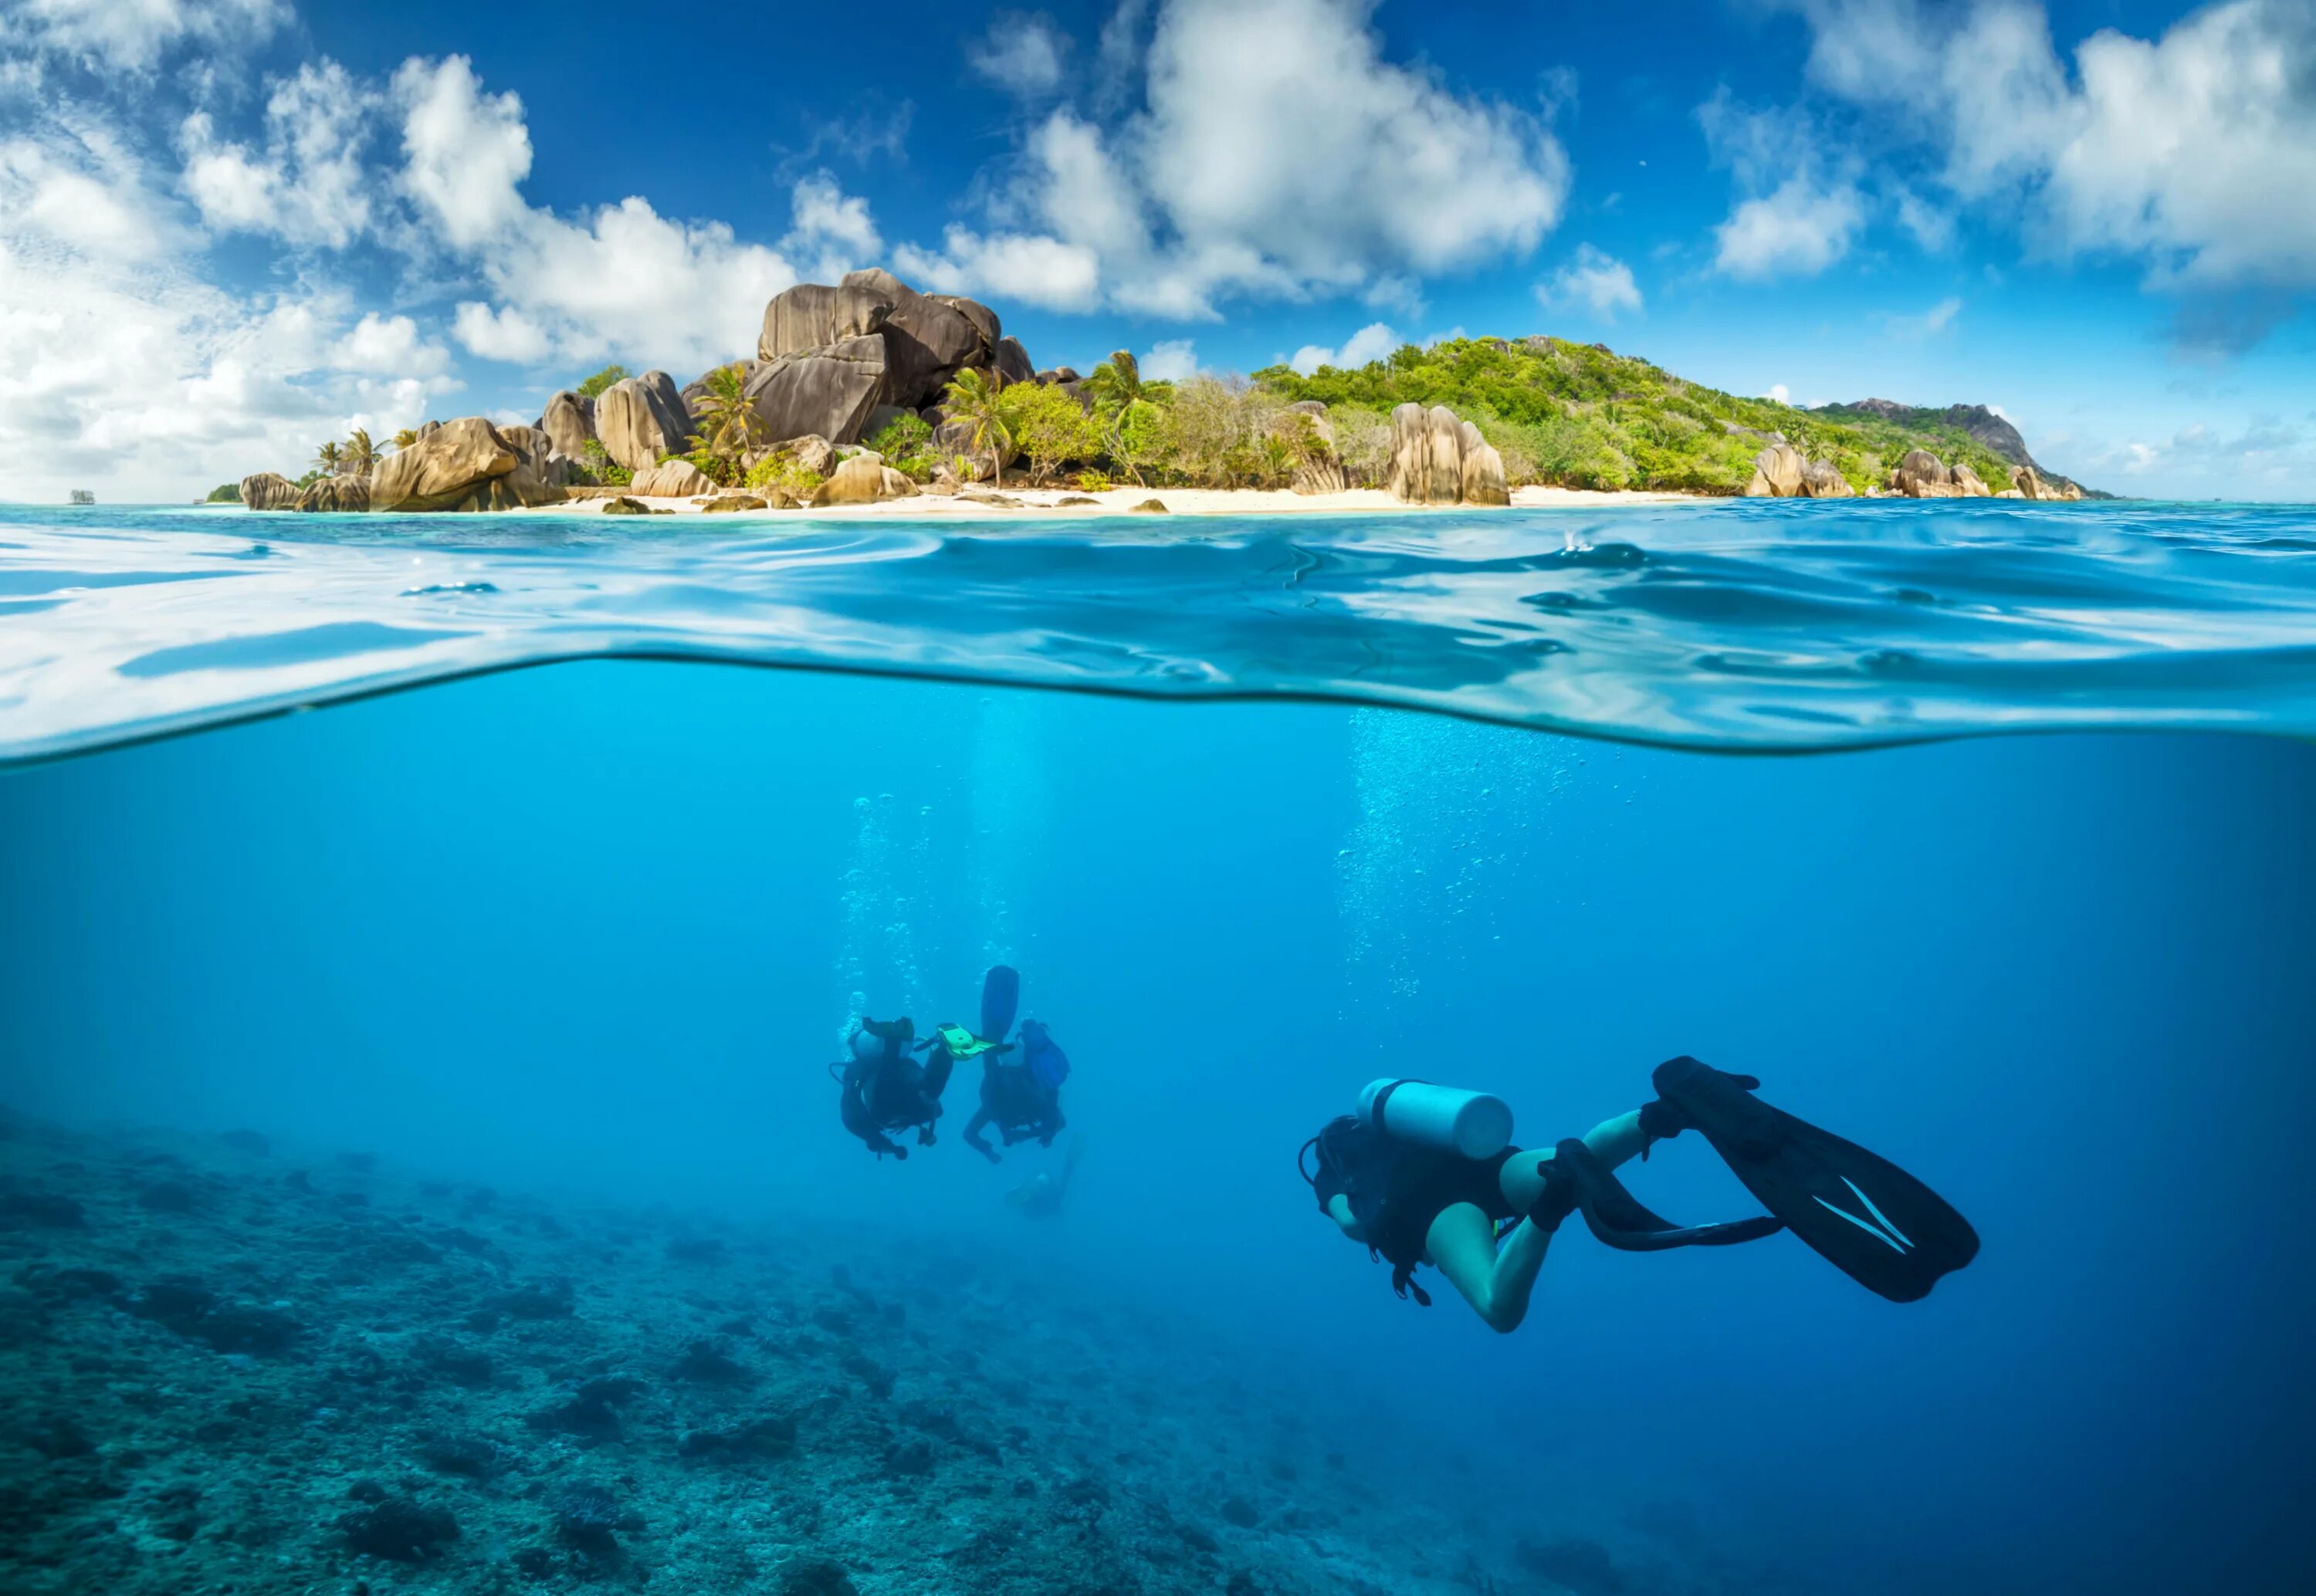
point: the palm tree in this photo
(729, 422)
(973, 399)
(329, 458)
(1116, 382)
(406, 438)
(360, 456)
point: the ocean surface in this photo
(399, 1098)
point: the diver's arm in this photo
(1339, 1209)
(852, 1107)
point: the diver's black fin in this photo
(1862, 1213)
(1000, 999)
(1618, 1219)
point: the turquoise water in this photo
(590, 935)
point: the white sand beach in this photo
(982, 504)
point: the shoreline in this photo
(1121, 502)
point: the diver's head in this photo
(1033, 1035)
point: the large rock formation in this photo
(1921, 474)
(813, 315)
(268, 490)
(828, 390)
(1437, 460)
(1013, 363)
(672, 479)
(467, 464)
(640, 418)
(2029, 483)
(1777, 472)
(335, 495)
(863, 479)
(928, 338)
(697, 390)
(1318, 468)
(1822, 479)
(569, 422)
(1968, 484)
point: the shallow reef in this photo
(230, 1367)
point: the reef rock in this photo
(1428, 462)
(269, 490)
(641, 417)
(827, 390)
(569, 423)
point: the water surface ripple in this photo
(1755, 627)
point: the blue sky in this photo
(231, 228)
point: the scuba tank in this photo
(1471, 1124)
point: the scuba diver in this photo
(1428, 1175)
(1022, 1098)
(1041, 1198)
(886, 1090)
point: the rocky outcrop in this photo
(2029, 483)
(641, 417)
(828, 390)
(696, 389)
(1777, 472)
(864, 478)
(815, 315)
(672, 479)
(1307, 429)
(1013, 363)
(928, 338)
(465, 464)
(569, 423)
(269, 490)
(1438, 459)
(1822, 479)
(1921, 474)
(335, 495)
(1968, 484)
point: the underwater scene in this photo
(459, 1133)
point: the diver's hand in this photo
(901, 1153)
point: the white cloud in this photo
(1594, 280)
(621, 280)
(1803, 206)
(1028, 267)
(134, 35)
(2194, 152)
(1929, 324)
(1780, 392)
(1020, 53)
(1278, 154)
(307, 184)
(834, 232)
(1798, 230)
(1370, 342)
(1174, 360)
(389, 346)
(1931, 224)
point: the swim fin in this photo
(1001, 998)
(1862, 1213)
(1576, 1180)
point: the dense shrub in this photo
(906, 442)
(781, 469)
(1048, 425)
(592, 388)
(224, 494)
(607, 472)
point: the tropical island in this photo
(866, 392)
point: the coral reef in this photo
(230, 1364)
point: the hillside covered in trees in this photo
(1580, 415)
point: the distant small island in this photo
(867, 391)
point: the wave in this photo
(1747, 626)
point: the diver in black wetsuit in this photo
(1020, 1094)
(886, 1089)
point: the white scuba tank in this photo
(1475, 1124)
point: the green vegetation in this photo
(975, 401)
(224, 494)
(406, 438)
(729, 428)
(606, 470)
(781, 469)
(906, 442)
(592, 388)
(1047, 425)
(1579, 415)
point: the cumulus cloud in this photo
(1172, 360)
(134, 35)
(1593, 280)
(1277, 154)
(2194, 152)
(1023, 54)
(1801, 206)
(620, 280)
(306, 184)
(1370, 342)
